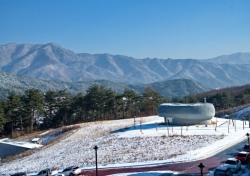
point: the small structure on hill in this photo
(37, 141)
(186, 114)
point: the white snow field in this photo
(120, 144)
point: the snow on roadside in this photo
(121, 144)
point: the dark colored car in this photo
(244, 157)
(72, 170)
(223, 171)
(246, 148)
(19, 174)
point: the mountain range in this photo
(51, 62)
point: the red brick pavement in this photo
(182, 168)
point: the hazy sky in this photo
(139, 28)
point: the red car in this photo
(244, 157)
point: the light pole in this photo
(216, 125)
(248, 120)
(243, 125)
(235, 125)
(134, 121)
(124, 104)
(247, 138)
(150, 104)
(201, 166)
(96, 160)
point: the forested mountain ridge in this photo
(12, 83)
(173, 88)
(168, 89)
(53, 62)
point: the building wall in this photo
(186, 114)
(8, 149)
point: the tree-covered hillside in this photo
(11, 83)
(228, 99)
(168, 89)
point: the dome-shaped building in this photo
(186, 114)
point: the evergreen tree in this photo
(78, 108)
(33, 103)
(13, 113)
(99, 101)
(93, 100)
(130, 103)
(2, 120)
(63, 103)
(51, 107)
(151, 100)
(108, 109)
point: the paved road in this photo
(188, 168)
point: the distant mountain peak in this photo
(235, 58)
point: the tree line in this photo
(35, 110)
(222, 99)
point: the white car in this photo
(48, 172)
(59, 174)
(233, 163)
(72, 170)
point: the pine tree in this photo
(33, 103)
(2, 120)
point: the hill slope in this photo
(120, 143)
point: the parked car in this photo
(246, 148)
(59, 174)
(19, 174)
(244, 157)
(234, 164)
(72, 170)
(223, 171)
(48, 172)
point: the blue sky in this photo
(139, 28)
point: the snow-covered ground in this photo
(121, 144)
